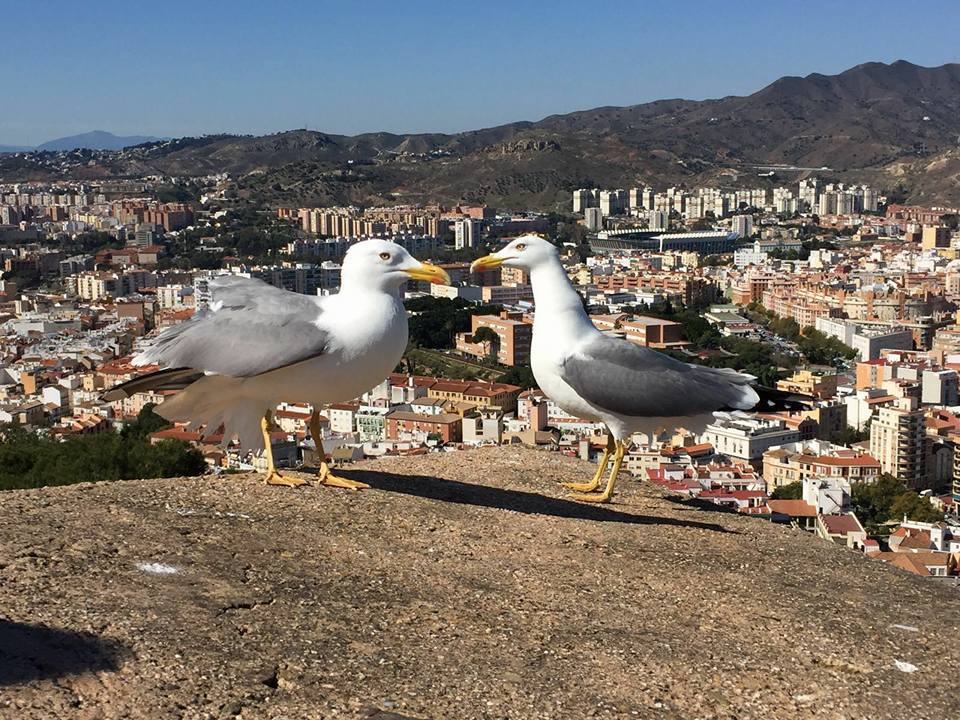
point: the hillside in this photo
(460, 586)
(871, 122)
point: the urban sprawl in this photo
(828, 291)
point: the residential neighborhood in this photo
(824, 290)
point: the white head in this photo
(526, 252)
(384, 265)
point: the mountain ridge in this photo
(869, 123)
(93, 140)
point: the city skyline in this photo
(416, 69)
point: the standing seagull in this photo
(600, 378)
(256, 346)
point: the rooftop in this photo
(456, 587)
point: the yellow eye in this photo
(521, 246)
(384, 256)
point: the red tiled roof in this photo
(841, 524)
(792, 508)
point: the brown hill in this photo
(462, 585)
(868, 122)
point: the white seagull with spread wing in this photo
(256, 346)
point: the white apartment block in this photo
(740, 436)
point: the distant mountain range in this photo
(96, 140)
(896, 126)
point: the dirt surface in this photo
(461, 586)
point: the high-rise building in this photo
(658, 220)
(897, 441)
(827, 204)
(809, 194)
(696, 207)
(613, 202)
(466, 233)
(742, 225)
(593, 218)
(583, 199)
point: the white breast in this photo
(551, 344)
(367, 338)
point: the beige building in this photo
(98, 285)
(801, 461)
(813, 384)
(897, 441)
(515, 336)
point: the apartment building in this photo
(746, 438)
(506, 294)
(797, 462)
(481, 394)
(515, 336)
(810, 383)
(642, 330)
(405, 425)
(897, 441)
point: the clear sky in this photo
(254, 66)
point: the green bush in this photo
(28, 460)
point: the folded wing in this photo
(249, 328)
(634, 381)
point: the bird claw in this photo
(331, 480)
(582, 487)
(275, 478)
(592, 497)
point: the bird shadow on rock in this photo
(454, 491)
(36, 652)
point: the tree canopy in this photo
(30, 460)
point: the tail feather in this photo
(215, 400)
(169, 379)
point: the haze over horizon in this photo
(420, 69)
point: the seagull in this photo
(255, 346)
(600, 378)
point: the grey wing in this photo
(249, 328)
(630, 380)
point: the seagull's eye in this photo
(520, 246)
(384, 256)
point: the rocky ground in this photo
(461, 586)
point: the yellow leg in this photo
(598, 475)
(607, 494)
(273, 477)
(325, 475)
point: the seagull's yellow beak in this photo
(487, 262)
(429, 273)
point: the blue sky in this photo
(187, 68)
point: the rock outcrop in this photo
(461, 586)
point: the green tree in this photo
(850, 435)
(490, 341)
(434, 322)
(790, 491)
(889, 500)
(28, 460)
(519, 375)
(147, 422)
